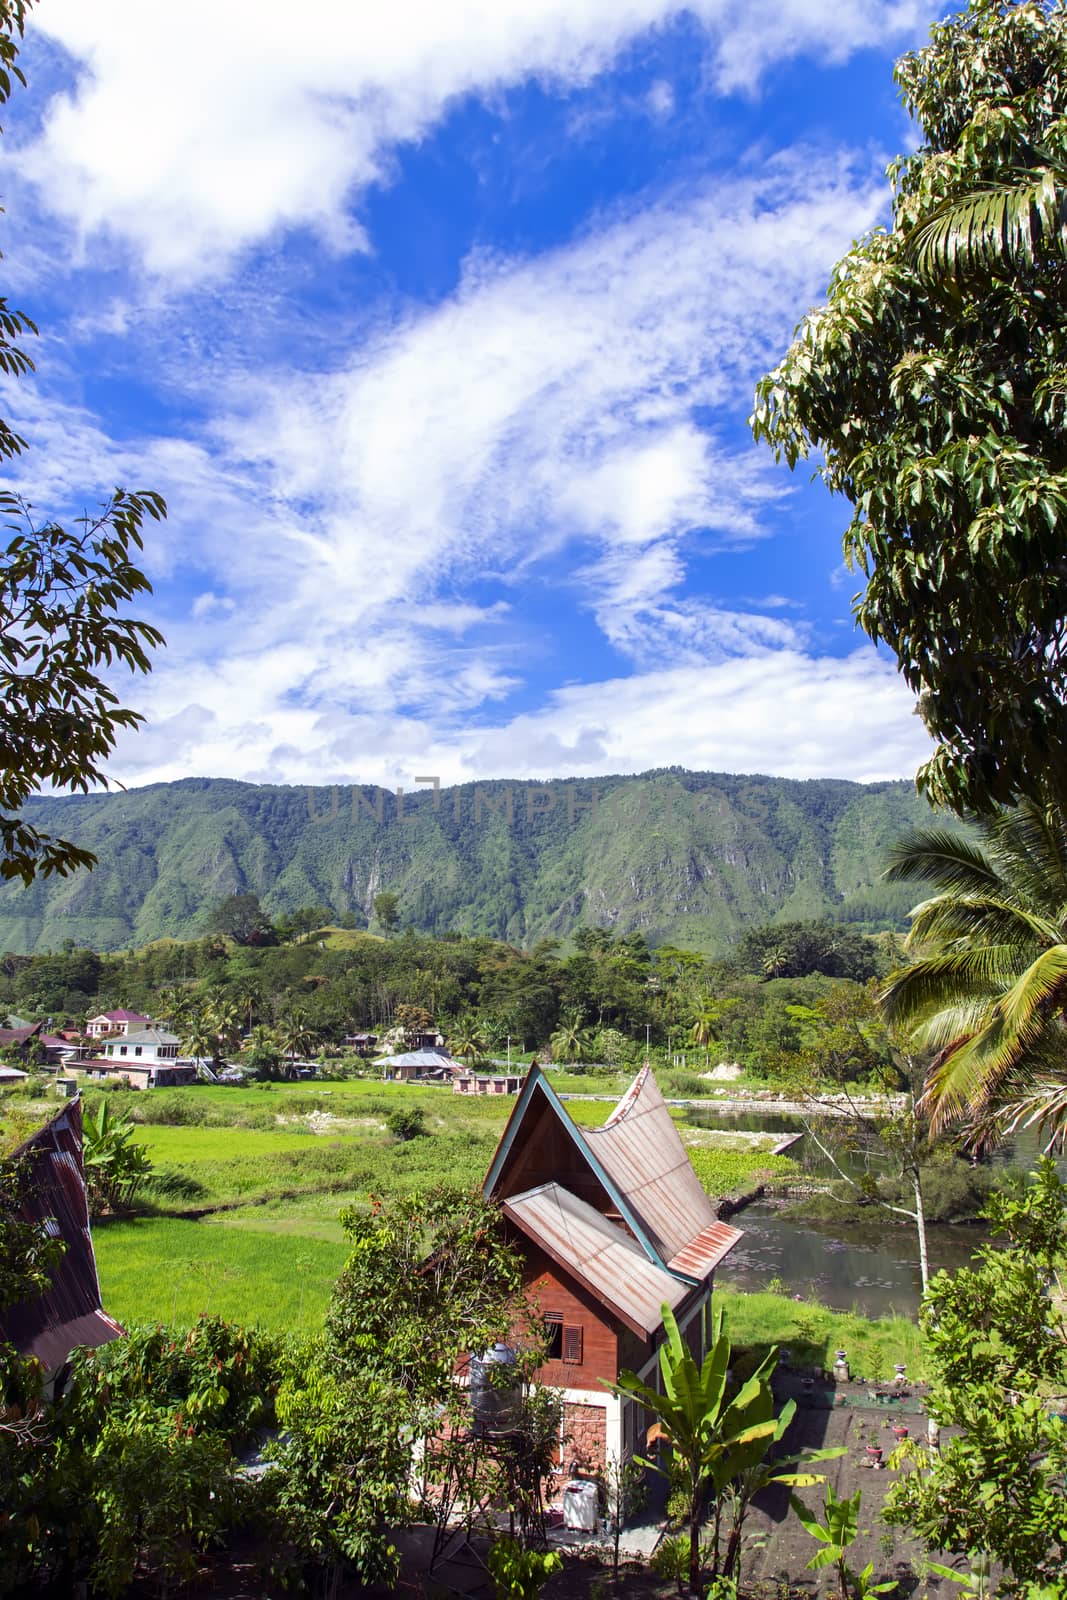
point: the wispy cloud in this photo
(192, 133)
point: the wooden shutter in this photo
(572, 1345)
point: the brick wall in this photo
(585, 1431)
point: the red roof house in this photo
(115, 1022)
(612, 1224)
(69, 1313)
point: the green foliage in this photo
(996, 1341)
(987, 984)
(427, 1274)
(345, 1460)
(520, 1574)
(116, 1168)
(407, 1123)
(243, 919)
(934, 393)
(704, 1424)
(63, 622)
(797, 949)
(835, 1535)
(27, 1253)
(387, 910)
(136, 1466)
(424, 1271)
(167, 850)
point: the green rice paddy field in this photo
(247, 1225)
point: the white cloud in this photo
(783, 713)
(193, 132)
(537, 427)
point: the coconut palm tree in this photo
(198, 1039)
(468, 1043)
(295, 1037)
(987, 988)
(572, 1040)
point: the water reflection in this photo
(868, 1262)
(870, 1267)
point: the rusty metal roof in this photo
(69, 1312)
(599, 1253)
(703, 1254)
(641, 1149)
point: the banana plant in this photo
(698, 1419)
(835, 1535)
(746, 1469)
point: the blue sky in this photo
(438, 325)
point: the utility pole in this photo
(509, 1050)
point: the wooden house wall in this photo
(552, 1290)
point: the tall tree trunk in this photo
(920, 1227)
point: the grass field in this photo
(272, 1167)
(164, 1270)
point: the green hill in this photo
(689, 857)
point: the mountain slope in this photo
(686, 856)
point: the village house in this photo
(111, 1023)
(147, 1058)
(422, 1063)
(69, 1312)
(486, 1083)
(612, 1223)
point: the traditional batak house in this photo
(69, 1312)
(612, 1223)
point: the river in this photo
(869, 1265)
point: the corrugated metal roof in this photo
(642, 1151)
(417, 1058)
(69, 1312)
(703, 1254)
(598, 1253)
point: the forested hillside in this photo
(689, 857)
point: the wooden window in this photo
(563, 1340)
(572, 1344)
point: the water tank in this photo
(496, 1392)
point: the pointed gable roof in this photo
(633, 1170)
(642, 1150)
(68, 1312)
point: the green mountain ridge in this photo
(687, 857)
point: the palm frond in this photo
(953, 863)
(948, 979)
(949, 917)
(1035, 995)
(1005, 225)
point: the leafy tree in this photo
(243, 919)
(63, 593)
(406, 1122)
(932, 384)
(987, 986)
(996, 1343)
(795, 949)
(387, 910)
(429, 1276)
